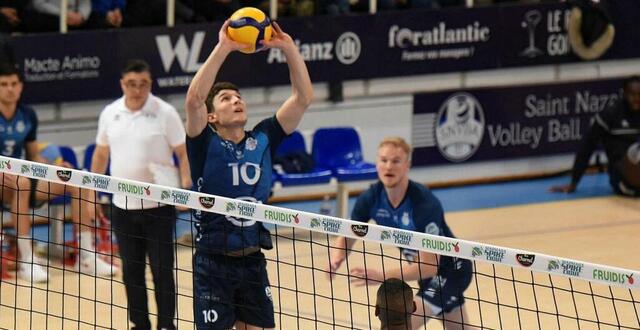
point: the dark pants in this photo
(620, 184)
(141, 233)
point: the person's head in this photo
(632, 92)
(394, 161)
(135, 81)
(10, 84)
(394, 304)
(225, 106)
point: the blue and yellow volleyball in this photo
(249, 26)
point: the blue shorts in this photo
(229, 289)
(445, 292)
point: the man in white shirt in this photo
(136, 131)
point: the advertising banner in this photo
(85, 65)
(58, 68)
(506, 123)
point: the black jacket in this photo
(616, 128)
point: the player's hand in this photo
(74, 19)
(361, 276)
(334, 265)
(279, 39)
(225, 42)
(567, 188)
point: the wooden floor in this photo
(601, 230)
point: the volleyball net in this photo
(510, 288)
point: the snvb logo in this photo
(186, 54)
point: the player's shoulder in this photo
(114, 106)
(421, 194)
(614, 111)
(26, 110)
(372, 192)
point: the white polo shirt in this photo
(137, 139)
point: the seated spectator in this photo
(154, 12)
(217, 10)
(107, 13)
(10, 20)
(46, 15)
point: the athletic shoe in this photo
(32, 272)
(90, 265)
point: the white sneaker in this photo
(32, 272)
(90, 265)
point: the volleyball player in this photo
(18, 128)
(395, 201)
(617, 129)
(394, 305)
(229, 269)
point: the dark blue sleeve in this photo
(197, 148)
(428, 209)
(272, 128)
(32, 135)
(361, 211)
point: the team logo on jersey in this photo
(525, 260)
(405, 218)
(267, 292)
(360, 230)
(432, 229)
(64, 175)
(207, 202)
(459, 127)
(251, 144)
(20, 127)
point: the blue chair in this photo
(339, 150)
(69, 156)
(295, 143)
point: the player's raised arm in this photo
(203, 80)
(290, 113)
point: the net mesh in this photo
(510, 289)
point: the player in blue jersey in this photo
(229, 269)
(18, 126)
(395, 201)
